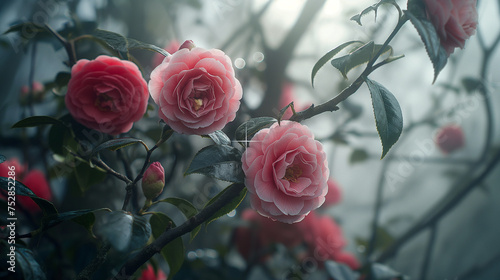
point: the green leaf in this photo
(173, 252)
(36, 121)
(84, 217)
(2, 158)
(28, 264)
(23, 27)
(87, 176)
(60, 82)
(221, 162)
(374, 8)
(122, 44)
(233, 204)
(382, 272)
(186, 208)
(116, 144)
(329, 55)
(59, 137)
(123, 231)
(220, 138)
(358, 155)
(248, 129)
(431, 40)
(46, 206)
(339, 271)
(135, 44)
(388, 115)
(359, 56)
(472, 84)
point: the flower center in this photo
(197, 97)
(104, 102)
(292, 173)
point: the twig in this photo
(147, 252)
(428, 252)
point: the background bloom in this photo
(455, 21)
(286, 172)
(34, 179)
(321, 236)
(149, 274)
(107, 94)
(196, 90)
(450, 138)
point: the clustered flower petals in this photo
(107, 94)
(286, 172)
(322, 237)
(455, 21)
(196, 90)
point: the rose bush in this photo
(455, 21)
(107, 94)
(286, 172)
(450, 138)
(196, 90)
(34, 179)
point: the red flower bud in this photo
(153, 180)
(188, 44)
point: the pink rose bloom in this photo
(450, 138)
(455, 21)
(35, 180)
(334, 195)
(149, 274)
(196, 90)
(107, 94)
(253, 240)
(286, 172)
(325, 240)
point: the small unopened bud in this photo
(153, 181)
(188, 44)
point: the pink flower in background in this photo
(149, 274)
(455, 21)
(321, 236)
(34, 179)
(287, 96)
(153, 180)
(171, 47)
(334, 194)
(196, 90)
(36, 87)
(450, 138)
(107, 94)
(286, 172)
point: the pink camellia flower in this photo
(450, 138)
(149, 274)
(36, 87)
(107, 94)
(153, 180)
(455, 21)
(34, 179)
(196, 90)
(286, 172)
(321, 236)
(334, 195)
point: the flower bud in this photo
(188, 44)
(153, 181)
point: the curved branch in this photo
(147, 252)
